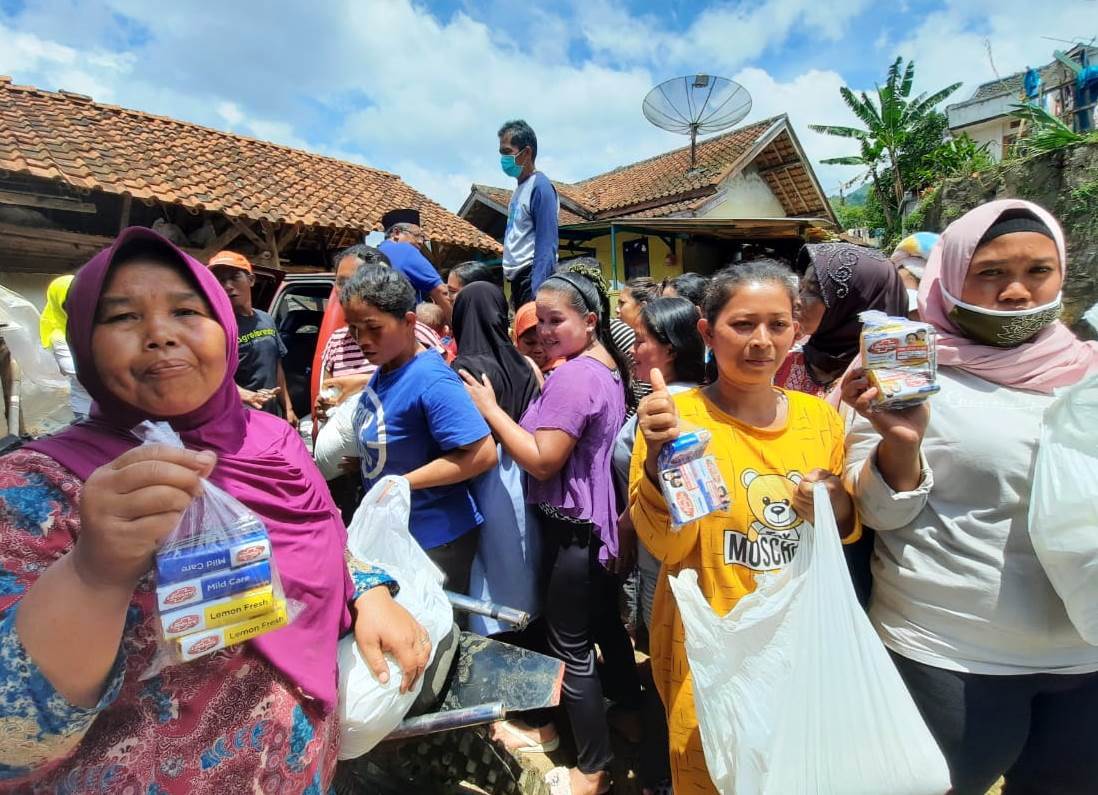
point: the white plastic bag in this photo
(795, 692)
(42, 391)
(369, 710)
(1063, 509)
(217, 582)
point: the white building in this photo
(985, 117)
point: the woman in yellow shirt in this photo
(771, 446)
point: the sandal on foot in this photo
(531, 746)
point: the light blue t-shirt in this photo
(409, 417)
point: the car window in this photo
(307, 297)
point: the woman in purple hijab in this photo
(81, 515)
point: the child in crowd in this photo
(434, 318)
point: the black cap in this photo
(404, 216)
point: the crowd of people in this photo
(529, 435)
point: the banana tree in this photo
(894, 124)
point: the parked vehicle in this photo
(298, 302)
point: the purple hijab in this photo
(852, 279)
(261, 461)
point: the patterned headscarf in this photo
(852, 279)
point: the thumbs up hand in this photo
(658, 419)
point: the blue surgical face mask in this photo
(510, 167)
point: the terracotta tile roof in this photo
(69, 138)
(670, 175)
(502, 198)
(666, 184)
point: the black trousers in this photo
(580, 609)
(1040, 731)
(456, 560)
(520, 288)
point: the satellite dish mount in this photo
(696, 104)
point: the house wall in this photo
(745, 195)
(31, 286)
(988, 110)
(992, 133)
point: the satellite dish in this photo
(696, 104)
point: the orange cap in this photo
(525, 318)
(230, 259)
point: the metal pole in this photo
(449, 720)
(517, 618)
(613, 256)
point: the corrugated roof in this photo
(72, 139)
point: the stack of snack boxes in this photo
(900, 359)
(216, 594)
(690, 480)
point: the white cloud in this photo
(396, 86)
(230, 112)
(952, 44)
(31, 58)
(723, 36)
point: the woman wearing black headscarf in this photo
(509, 553)
(840, 281)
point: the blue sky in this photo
(420, 88)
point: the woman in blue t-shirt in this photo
(415, 419)
(564, 443)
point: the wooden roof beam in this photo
(45, 201)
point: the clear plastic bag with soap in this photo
(217, 581)
(690, 479)
(900, 359)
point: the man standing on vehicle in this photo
(530, 242)
(404, 245)
(259, 376)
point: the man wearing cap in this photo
(404, 244)
(259, 376)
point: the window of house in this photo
(635, 255)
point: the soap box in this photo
(218, 613)
(197, 560)
(686, 447)
(196, 645)
(693, 490)
(213, 586)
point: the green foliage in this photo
(899, 133)
(1045, 132)
(851, 216)
(1083, 200)
(956, 157)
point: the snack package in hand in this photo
(690, 480)
(217, 581)
(900, 359)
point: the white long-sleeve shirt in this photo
(79, 399)
(956, 583)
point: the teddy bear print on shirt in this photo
(772, 538)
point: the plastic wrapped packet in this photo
(900, 359)
(691, 480)
(217, 581)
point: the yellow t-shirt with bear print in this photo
(760, 531)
